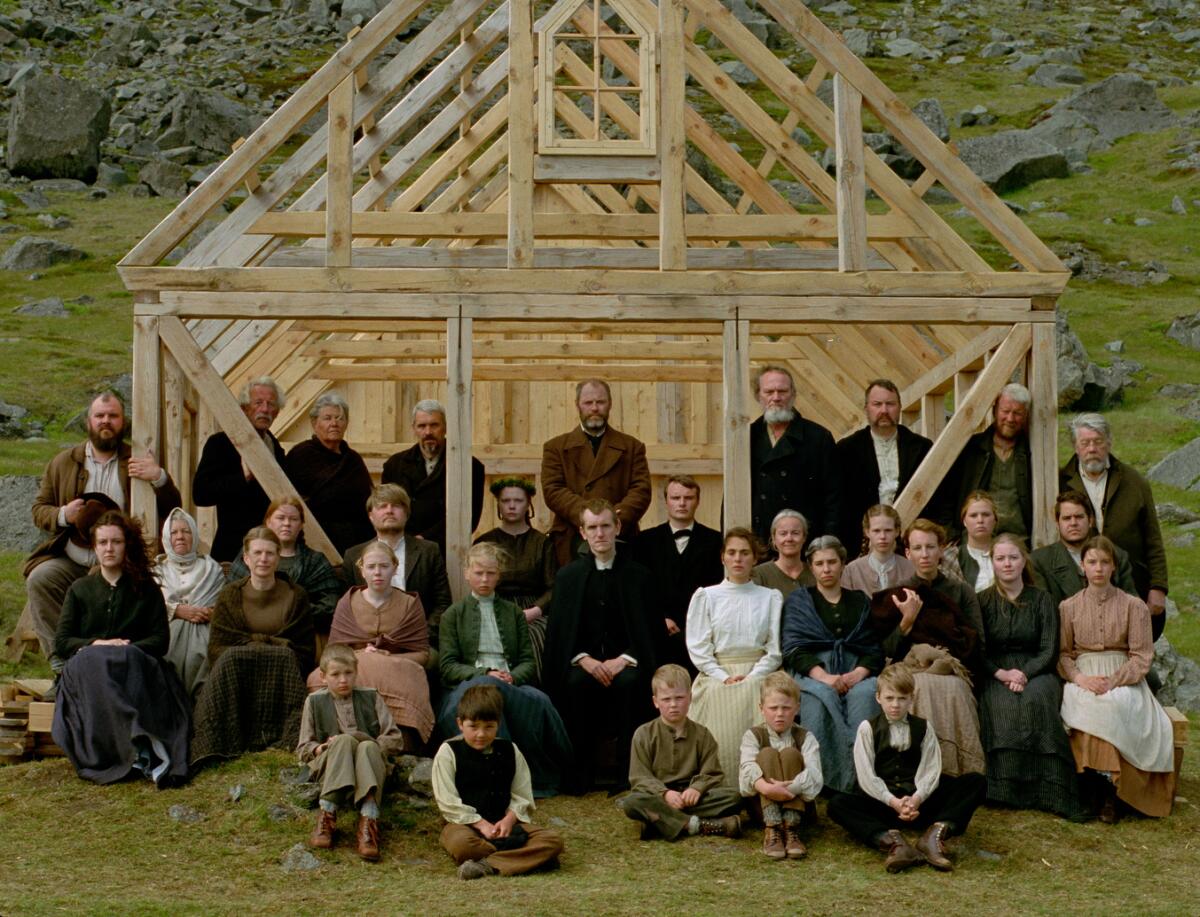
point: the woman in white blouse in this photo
(973, 555)
(733, 641)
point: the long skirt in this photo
(727, 711)
(189, 654)
(947, 703)
(530, 721)
(1029, 761)
(252, 700)
(401, 682)
(1124, 733)
(537, 632)
(121, 710)
(833, 718)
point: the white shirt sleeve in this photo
(520, 800)
(864, 765)
(808, 783)
(772, 659)
(699, 633)
(929, 771)
(748, 769)
(445, 791)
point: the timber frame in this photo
(422, 241)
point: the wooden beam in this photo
(459, 418)
(963, 423)
(937, 376)
(211, 390)
(338, 175)
(851, 185)
(1043, 433)
(735, 367)
(672, 234)
(521, 134)
(146, 439)
(518, 372)
(619, 170)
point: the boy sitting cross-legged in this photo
(675, 779)
(781, 765)
(345, 735)
(483, 789)
(900, 783)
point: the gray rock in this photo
(1143, 221)
(207, 120)
(1012, 159)
(739, 73)
(362, 10)
(1121, 105)
(556, 822)
(1179, 469)
(1178, 206)
(1180, 678)
(1053, 75)
(1180, 390)
(33, 253)
(1186, 330)
(906, 47)
(1115, 346)
(1168, 514)
(930, 111)
(1082, 385)
(858, 41)
(972, 116)
(278, 813)
(166, 179)
(50, 221)
(185, 815)
(290, 776)
(305, 795)
(17, 493)
(420, 780)
(995, 49)
(34, 199)
(236, 792)
(55, 127)
(298, 859)
(67, 185)
(111, 176)
(50, 307)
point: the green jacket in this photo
(459, 641)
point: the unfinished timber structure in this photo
(522, 194)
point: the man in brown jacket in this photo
(102, 464)
(590, 463)
(1124, 509)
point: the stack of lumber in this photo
(25, 720)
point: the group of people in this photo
(1030, 669)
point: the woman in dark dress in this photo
(1029, 761)
(330, 476)
(260, 647)
(120, 708)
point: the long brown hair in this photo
(137, 563)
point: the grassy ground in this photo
(1010, 862)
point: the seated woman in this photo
(304, 567)
(933, 626)
(330, 476)
(789, 531)
(1029, 762)
(385, 627)
(733, 639)
(1120, 735)
(833, 652)
(119, 709)
(527, 578)
(484, 641)
(881, 567)
(972, 557)
(190, 585)
(260, 643)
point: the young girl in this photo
(973, 555)
(881, 567)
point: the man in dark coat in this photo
(599, 648)
(421, 471)
(999, 461)
(593, 462)
(793, 461)
(683, 555)
(225, 481)
(1057, 567)
(877, 462)
(1123, 509)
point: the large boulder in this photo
(1179, 676)
(1092, 117)
(17, 531)
(1179, 469)
(1012, 159)
(1186, 330)
(33, 253)
(55, 127)
(206, 120)
(1082, 385)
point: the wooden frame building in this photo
(527, 193)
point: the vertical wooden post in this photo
(933, 415)
(962, 385)
(521, 119)
(339, 178)
(1043, 432)
(736, 397)
(458, 449)
(672, 239)
(851, 181)
(147, 396)
(174, 414)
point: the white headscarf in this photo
(188, 579)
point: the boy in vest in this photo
(483, 789)
(780, 765)
(345, 735)
(900, 783)
(677, 786)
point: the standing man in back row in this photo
(593, 462)
(793, 461)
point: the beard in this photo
(1094, 466)
(779, 415)
(106, 440)
(594, 423)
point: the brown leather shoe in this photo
(729, 826)
(933, 845)
(792, 844)
(322, 836)
(368, 838)
(774, 845)
(900, 854)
